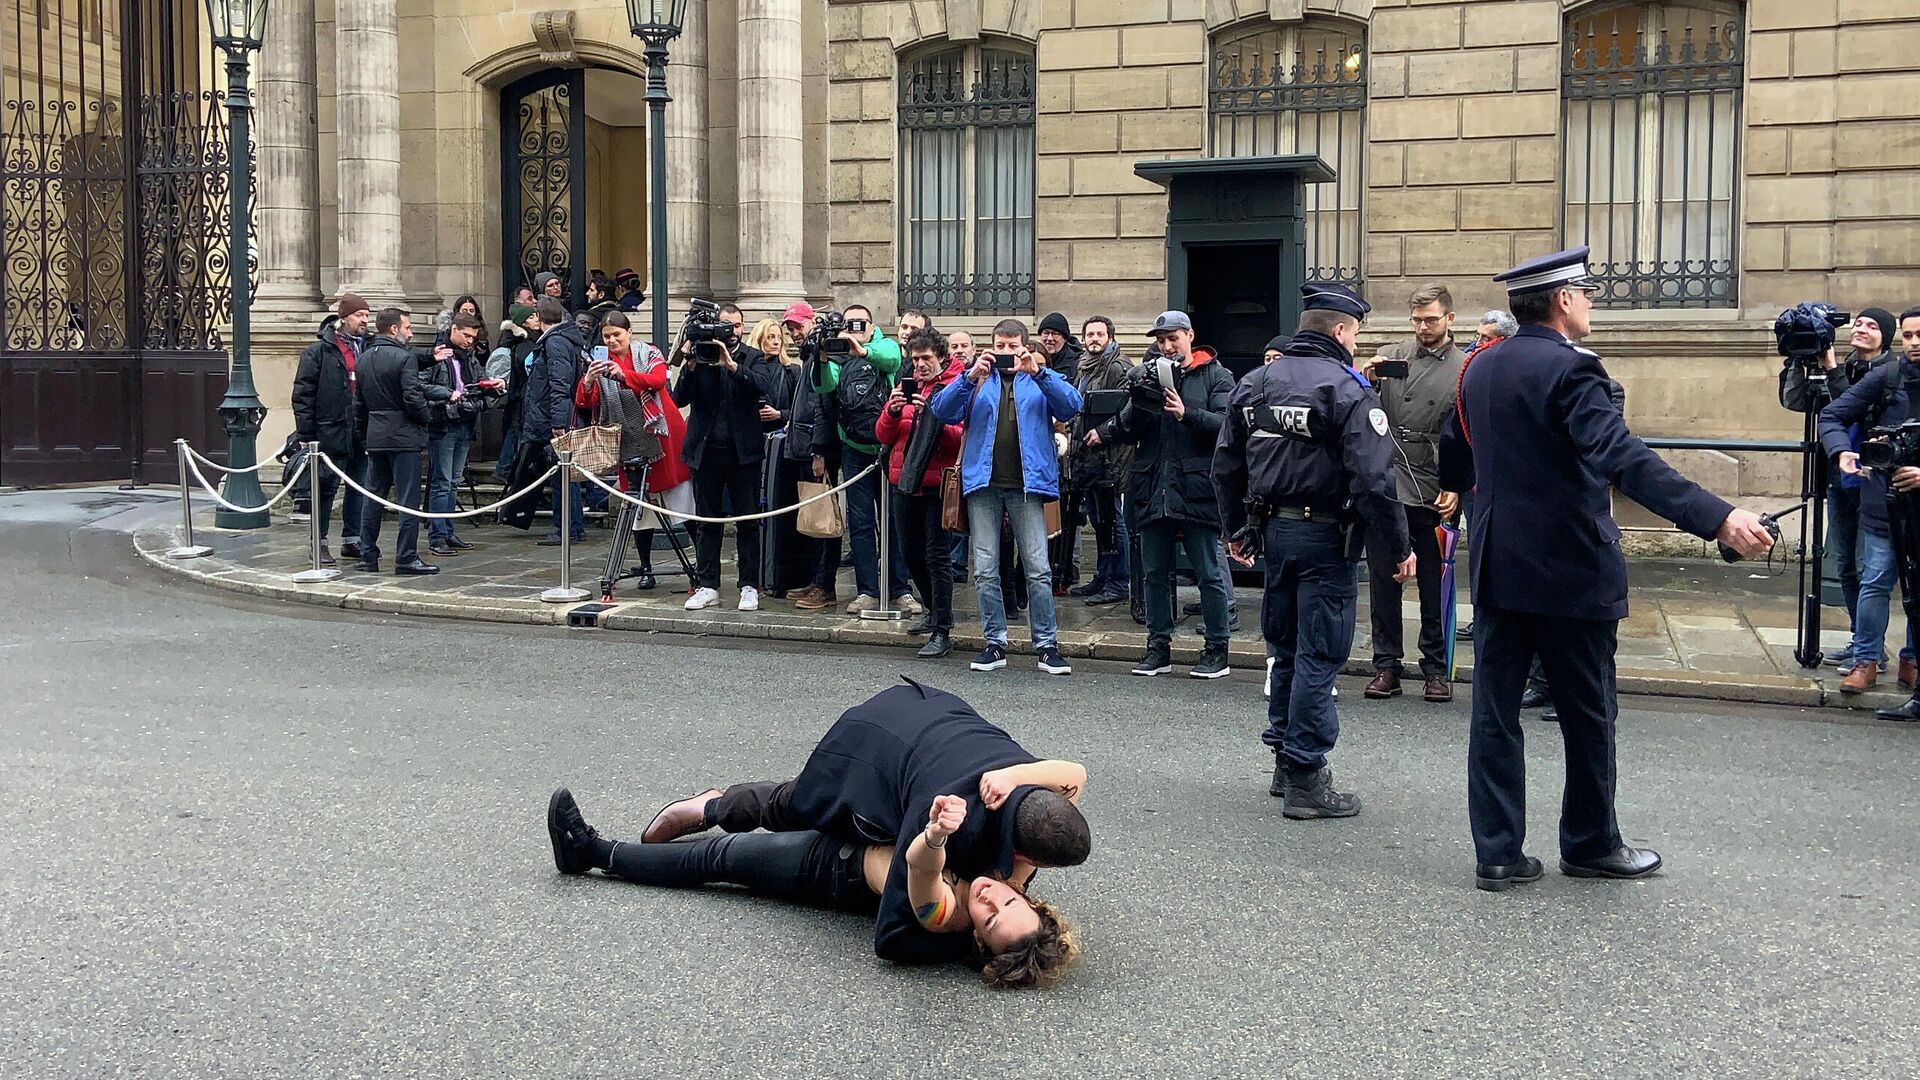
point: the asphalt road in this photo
(253, 842)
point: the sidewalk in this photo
(1697, 629)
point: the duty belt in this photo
(1329, 514)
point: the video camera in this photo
(1892, 447)
(1804, 332)
(708, 337)
(826, 339)
(1148, 384)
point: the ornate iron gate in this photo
(113, 225)
(543, 130)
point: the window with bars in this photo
(1651, 93)
(1300, 89)
(966, 181)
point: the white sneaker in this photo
(703, 598)
(299, 517)
(749, 599)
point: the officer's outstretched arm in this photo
(1601, 435)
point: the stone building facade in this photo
(977, 157)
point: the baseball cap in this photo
(1170, 320)
(798, 312)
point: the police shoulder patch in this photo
(1378, 418)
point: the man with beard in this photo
(1100, 471)
(1062, 355)
(1416, 404)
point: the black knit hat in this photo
(1057, 323)
(1889, 326)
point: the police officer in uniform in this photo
(1537, 440)
(1303, 461)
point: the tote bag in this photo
(823, 520)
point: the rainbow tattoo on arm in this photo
(932, 915)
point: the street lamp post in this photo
(657, 22)
(237, 26)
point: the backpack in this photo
(860, 396)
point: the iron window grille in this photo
(967, 157)
(1651, 97)
(1301, 90)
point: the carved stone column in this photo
(689, 237)
(367, 37)
(771, 145)
(288, 163)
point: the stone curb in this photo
(776, 625)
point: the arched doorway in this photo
(574, 185)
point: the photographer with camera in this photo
(455, 368)
(857, 376)
(1873, 334)
(922, 449)
(810, 453)
(1880, 399)
(1905, 481)
(1099, 473)
(724, 449)
(1178, 403)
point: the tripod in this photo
(1813, 539)
(629, 513)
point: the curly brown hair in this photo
(1037, 960)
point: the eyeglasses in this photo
(1430, 320)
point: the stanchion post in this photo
(187, 549)
(884, 498)
(316, 541)
(563, 517)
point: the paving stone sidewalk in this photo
(1698, 628)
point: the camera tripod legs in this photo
(623, 533)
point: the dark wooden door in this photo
(543, 130)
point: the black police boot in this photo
(1310, 794)
(1278, 789)
(577, 846)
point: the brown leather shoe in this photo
(1860, 679)
(1909, 674)
(1439, 690)
(679, 819)
(1385, 684)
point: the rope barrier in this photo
(453, 515)
(286, 490)
(209, 462)
(762, 516)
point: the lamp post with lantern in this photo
(657, 22)
(237, 26)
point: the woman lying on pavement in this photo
(1014, 940)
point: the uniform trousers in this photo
(1577, 656)
(807, 868)
(1313, 591)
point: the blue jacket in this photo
(1038, 402)
(1878, 400)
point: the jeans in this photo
(1312, 592)
(352, 503)
(917, 517)
(720, 477)
(1384, 598)
(795, 555)
(509, 450)
(863, 525)
(1879, 569)
(1843, 539)
(984, 508)
(447, 457)
(1104, 511)
(808, 868)
(395, 474)
(1203, 553)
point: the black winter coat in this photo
(776, 382)
(1171, 478)
(873, 778)
(392, 412)
(439, 380)
(711, 390)
(546, 405)
(323, 409)
(1098, 466)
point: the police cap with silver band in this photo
(1562, 269)
(1332, 296)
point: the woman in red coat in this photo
(916, 501)
(644, 371)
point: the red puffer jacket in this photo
(895, 432)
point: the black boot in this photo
(577, 846)
(1278, 789)
(937, 646)
(1908, 710)
(924, 626)
(1535, 698)
(1310, 794)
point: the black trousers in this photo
(795, 554)
(762, 805)
(807, 868)
(1383, 597)
(1577, 655)
(929, 551)
(392, 474)
(721, 479)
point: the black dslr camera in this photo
(709, 337)
(1890, 448)
(826, 339)
(1147, 385)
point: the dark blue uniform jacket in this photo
(1878, 399)
(873, 778)
(1541, 444)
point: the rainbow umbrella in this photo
(1448, 538)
